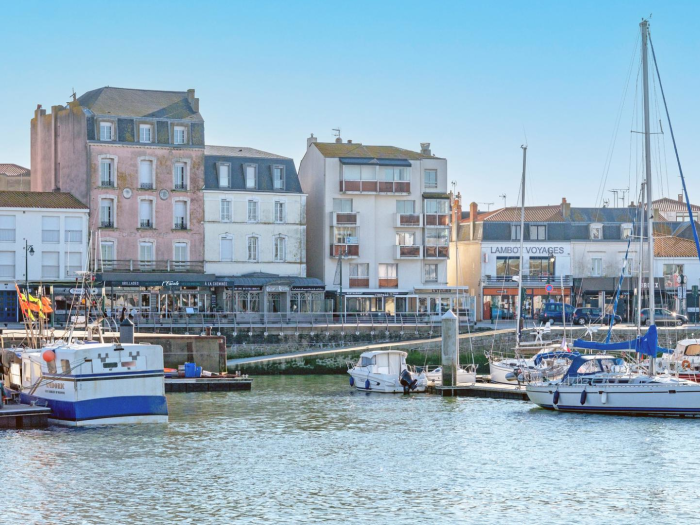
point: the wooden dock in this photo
(207, 384)
(489, 390)
(24, 416)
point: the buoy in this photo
(367, 384)
(583, 397)
(556, 397)
(49, 355)
(352, 381)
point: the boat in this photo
(385, 371)
(465, 375)
(683, 362)
(548, 363)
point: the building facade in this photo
(43, 241)
(380, 215)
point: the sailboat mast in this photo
(640, 294)
(647, 157)
(522, 236)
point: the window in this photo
(596, 266)
(405, 239)
(388, 276)
(7, 228)
(360, 270)
(181, 255)
(106, 131)
(146, 255)
(278, 177)
(542, 266)
(179, 135)
(682, 217)
(7, 265)
(107, 173)
(280, 249)
(342, 205)
(431, 179)
(146, 175)
(225, 210)
(180, 174)
(252, 248)
(596, 232)
(146, 213)
(226, 248)
(74, 263)
(405, 206)
(73, 229)
(250, 177)
(368, 173)
(431, 273)
(437, 206)
(538, 232)
(50, 229)
(49, 265)
(107, 253)
(673, 275)
(346, 235)
(280, 212)
(392, 174)
(515, 232)
(106, 213)
(352, 172)
(180, 214)
(627, 231)
(437, 237)
(224, 179)
(252, 211)
(145, 132)
(507, 266)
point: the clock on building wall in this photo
(164, 194)
(127, 193)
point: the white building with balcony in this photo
(383, 213)
(43, 240)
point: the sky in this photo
(475, 79)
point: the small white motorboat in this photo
(684, 361)
(385, 371)
(465, 375)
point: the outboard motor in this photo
(407, 381)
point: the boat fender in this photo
(584, 394)
(685, 364)
(555, 400)
(604, 397)
(352, 381)
(367, 384)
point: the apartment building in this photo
(383, 213)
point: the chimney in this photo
(349, 141)
(473, 212)
(311, 140)
(338, 140)
(680, 197)
(565, 208)
(194, 102)
(425, 148)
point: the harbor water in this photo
(308, 449)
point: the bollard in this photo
(450, 349)
(126, 332)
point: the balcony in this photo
(347, 250)
(437, 220)
(437, 252)
(344, 218)
(538, 280)
(408, 220)
(408, 252)
(181, 186)
(107, 224)
(146, 224)
(146, 185)
(359, 282)
(134, 265)
(397, 187)
(180, 224)
(107, 183)
(388, 283)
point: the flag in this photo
(23, 304)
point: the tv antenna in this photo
(488, 204)
(619, 191)
(336, 131)
(503, 196)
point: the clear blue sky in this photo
(469, 77)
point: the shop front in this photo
(599, 292)
(502, 302)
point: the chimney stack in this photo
(338, 140)
(194, 102)
(680, 197)
(349, 141)
(311, 140)
(473, 212)
(425, 148)
(565, 208)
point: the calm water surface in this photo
(309, 450)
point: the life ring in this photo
(685, 364)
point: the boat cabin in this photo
(687, 348)
(588, 365)
(389, 362)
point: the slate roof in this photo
(40, 199)
(145, 103)
(532, 214)
(242, 151)
(332, 149)
(13, 170)
(605, 215)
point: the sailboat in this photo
(603, 383)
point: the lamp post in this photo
(28, 250)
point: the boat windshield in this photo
(692, 350)
(594, 366)
(368, 361)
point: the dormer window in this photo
(250, 176)
(538, 232)
(145, 133)
(278, 177)
(179, 135)
(596, 232)
(106, 131)
(627, 230)
(224, 170)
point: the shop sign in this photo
(216, 283)
(244, 288)
(308, 288)
(171, 283)
(529, 250)
(81, 291)
(277, 288)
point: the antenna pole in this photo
(522, 236)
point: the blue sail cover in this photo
(647, 344)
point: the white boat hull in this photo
(500, 369)
(464, 377)
(383, 383)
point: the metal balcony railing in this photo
(374, 186)
(408, 252)
(146, 185)
(436, 252)
(134, 265)
(107, 183)
(344, 218)
(180, 186)
(180, 224)
(409, 220)
(529, 280)
(146, 223)
(437, 219)
(347, 250)
(106, 224)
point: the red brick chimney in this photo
(473, 212)
(565, 208)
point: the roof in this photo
(264, 166)
(666, 204)
(240, 151)
(40, 199)
(262, 279)
(674, 247)
(350, 150)
(139, 103)
(480, 215)
(13, 170)
(532, 214)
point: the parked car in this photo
(553, 312)
(590, 315)
(663, 316)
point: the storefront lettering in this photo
(530, 250)
(171, 283)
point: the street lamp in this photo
(28, 250)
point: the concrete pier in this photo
(488, 390)
(207, 384)
(24, 416)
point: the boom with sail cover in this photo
(647, 344)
